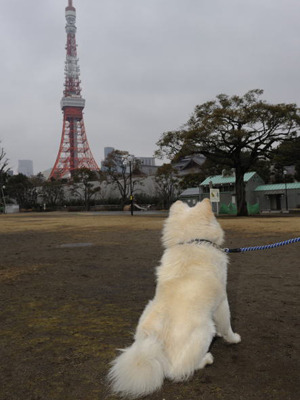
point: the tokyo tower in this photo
(74, 151)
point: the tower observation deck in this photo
(74, 151)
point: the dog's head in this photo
(187, 223)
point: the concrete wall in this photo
(12, 209)
(110, 191)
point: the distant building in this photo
(191, 164)
(150, 161)
(46, 173)
(146, 164)
(107, 151)
(191, 196)
(25, 167)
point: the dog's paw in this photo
(206, 360)
(209, 358)
(234, 338)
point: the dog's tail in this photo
(140, 369)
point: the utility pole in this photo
(130, 159)
(286, 192)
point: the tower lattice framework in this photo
(74, 151)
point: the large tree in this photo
(123, 171)
(167, 184)
(52, 192)
(235, 132)
(83, 186)
(22, 189)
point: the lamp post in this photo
(286, 195)
(130, 159)
(3, 198)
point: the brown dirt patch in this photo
(64, 310)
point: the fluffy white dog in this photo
(190, 306)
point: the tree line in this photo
(86, 188)
(240, 133)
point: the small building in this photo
(226, 184)
(192, 195)
(278, 196)
(25, 167)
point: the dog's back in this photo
(176, 328)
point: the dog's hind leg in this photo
(191, 352)
(222, 321)
(206, 360)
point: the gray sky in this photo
(145, 64)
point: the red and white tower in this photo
(74, 151)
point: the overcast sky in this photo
(145, 64)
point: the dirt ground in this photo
(65, 310)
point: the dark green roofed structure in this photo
(278, 197)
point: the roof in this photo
(278, 186)
(220, 179)
(196, 159)
(191, 192)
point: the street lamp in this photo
(286, 196)
(129, 160)
(3, 198)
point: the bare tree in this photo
(3, 176)
(123, 172)
(167, 184)
(83, 187)
(3, 162)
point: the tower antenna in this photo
(71, 4)
(74, 151)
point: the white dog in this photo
(190, 306)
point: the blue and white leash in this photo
(265, 247)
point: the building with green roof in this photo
(226, 184)
(260, 197)
(278, 196)
(224, 179)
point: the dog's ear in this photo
(206, 208)
(178, 207)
